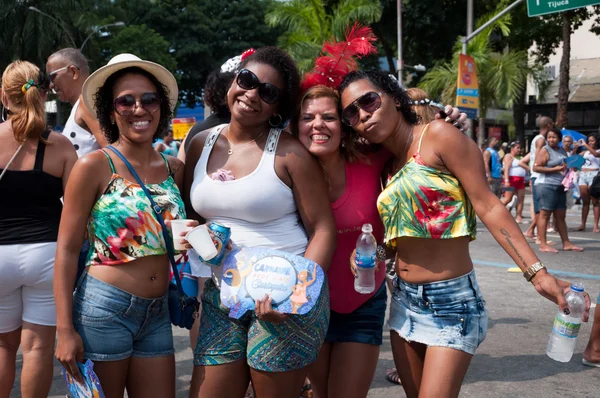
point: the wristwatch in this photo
(533, 269)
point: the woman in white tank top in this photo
(588, 172)
(514, 181)
(277, 199)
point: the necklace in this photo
(232, 147)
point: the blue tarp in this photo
(575, 134)
(183, 111)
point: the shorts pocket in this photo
(88, 312)
(460, 307)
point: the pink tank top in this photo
(356, 206)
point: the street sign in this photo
(467, 87)
(181, 126)
(542, 7)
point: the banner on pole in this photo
(467, 87)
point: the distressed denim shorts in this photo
(115, 325)
(448, 313)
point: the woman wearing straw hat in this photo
(118, 316)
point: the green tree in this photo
(143, 42)
(307, 24)
(501, 74)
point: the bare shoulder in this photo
(289, 145)
(441, 133)
(58, 139)
(93, 162)
(174, 163)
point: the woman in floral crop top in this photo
(437, 312)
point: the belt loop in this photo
(473, 283)
(420, 292)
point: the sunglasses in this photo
(266, 91)
(53, 74)
(126, 105)
(368, 102)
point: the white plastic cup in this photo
(177, 227)
(202, 242)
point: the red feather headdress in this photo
(338, 59)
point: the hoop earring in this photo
(273, 124)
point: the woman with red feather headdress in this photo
(353, 170)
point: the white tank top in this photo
(259, 208)
(83, 140)
(516, 170)
(591, 162)
(532, 155)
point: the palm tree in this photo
(307, 24)
(502, 74)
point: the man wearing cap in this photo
(67, 70)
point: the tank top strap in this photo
(208, 145)
(272, 141)
(40, 151)
(167, 164)
(110, 162)
(421, 138)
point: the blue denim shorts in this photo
(363, 325)
(115, 325)
(448, 313)
(551, 197)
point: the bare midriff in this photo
(425, 260)
(146, 277)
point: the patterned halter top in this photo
(122, 226)
(423, 202)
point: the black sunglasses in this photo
(266, 91)
(368, 102)
(126, 105)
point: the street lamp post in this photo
(97, 29)
(55, 20)
(400, 61)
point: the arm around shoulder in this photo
(312, 200)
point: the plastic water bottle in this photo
(366, 259)
(566, 327)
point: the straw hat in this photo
(122, 61)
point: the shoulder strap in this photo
(167, 163)
(212, 137)
(40, 151)
(110, 162)
(159, 217)
(421, 139)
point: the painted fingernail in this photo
(447, 119)
(567, 311)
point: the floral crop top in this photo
(423, 202)
(123, 227)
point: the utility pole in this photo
(470, 130)
(400, 61)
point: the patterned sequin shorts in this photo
(448, 313)
(268, 347)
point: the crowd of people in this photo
(286, 165)
(554, 186)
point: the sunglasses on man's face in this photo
(266, 91)
(52, 75)
(368, 102)
(126, 105)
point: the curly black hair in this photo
(389, 85)
(215, 91)
(103, 100)
(285, 65)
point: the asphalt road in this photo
(512, 360)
